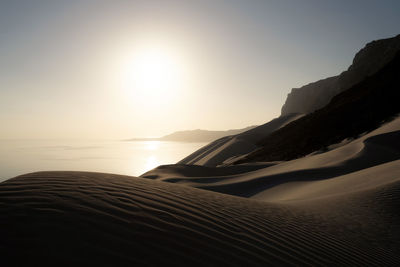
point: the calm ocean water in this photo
(120, 157)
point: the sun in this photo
(153, 72)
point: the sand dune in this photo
(231, 147)
(69, 218)
(377, 147)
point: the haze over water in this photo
(130, 158)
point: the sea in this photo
(111, 156)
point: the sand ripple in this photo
(69, 218)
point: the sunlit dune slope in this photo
(268, 180)
(229, 148)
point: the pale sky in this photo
(119, 69)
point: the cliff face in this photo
(310, 97)
(360, 109)
(373, 57)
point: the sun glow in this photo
(154, 73)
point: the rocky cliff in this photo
(360, 109)
(373, 57)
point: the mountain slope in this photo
(359, 109)
(367, 61)
(195, 135)
(202, 135)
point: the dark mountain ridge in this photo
(360, 109)
(366, 62)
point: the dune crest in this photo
(231, 147)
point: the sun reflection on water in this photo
(151, 162)
(152, 145)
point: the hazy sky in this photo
(66, 67)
